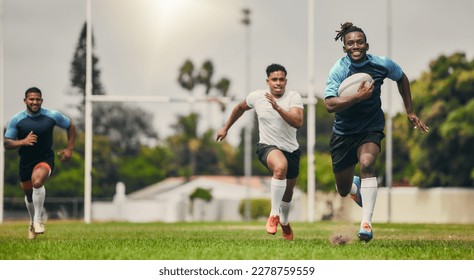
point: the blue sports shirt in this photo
(42, 124)
(366, 115)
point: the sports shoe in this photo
(31, 232)
(287, 231)
(272, 224)
(357, 197)
(365, 232)
(38, 227)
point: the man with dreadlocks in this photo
(359, 120)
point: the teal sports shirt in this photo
(366, 115)
(42, 124)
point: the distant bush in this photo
(259, 207)
(204, 194)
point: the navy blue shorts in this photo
(344, 148)
(26, 169)
(293, 159)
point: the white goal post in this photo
(89, 98)
(161, 99)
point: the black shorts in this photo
(344, 148)
(293, 159)
(26, 169)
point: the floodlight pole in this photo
(2, 149)
(311, 184)
(389, 150)
(88, 118)
(250, 116)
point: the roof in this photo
(258, 184)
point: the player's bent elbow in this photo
(330, 110)
(330, 107)
(8, 145)
(299, 125)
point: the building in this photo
(169, 200)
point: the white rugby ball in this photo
(351, 84)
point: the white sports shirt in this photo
(273, 129)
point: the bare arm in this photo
(340, 103)
(29, 140)
(293, 117)
(71, 138)
(404, 89)
(237, 112)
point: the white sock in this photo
(39, 195)
(285, 212)
(277, 188)
(368, 191)
(30, 208)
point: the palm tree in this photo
(204, 76)
(188, 80)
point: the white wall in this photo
(414, 205)
(409, 205)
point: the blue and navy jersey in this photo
(366, 115)
(42, 124)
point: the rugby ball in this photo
(351, 84)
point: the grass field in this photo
(75, 240)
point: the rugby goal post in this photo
(158, 99)
(311, 101)
(2, 149)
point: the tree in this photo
(186, 75)
(152, 165)
(68, 177)
(124, 125)
(204, 76)
(188, 78)
(445, 97)
(78, 70)
(323, 172)
(198, 155)
(185, 143)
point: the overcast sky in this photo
(142, 43)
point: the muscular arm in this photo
(29, 140)
(340, 103)
(237, 112)
(293, 117)
(71, 138)
(404, 89)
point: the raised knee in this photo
(37, 183)
(366, 167)
(279, 172)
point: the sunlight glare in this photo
(168, 9)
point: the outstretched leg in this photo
(367, 154)
(41, 173)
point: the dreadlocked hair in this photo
(347, 27)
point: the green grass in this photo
(75, 240)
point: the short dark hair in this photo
(346, 28)
(275, 67)
(33, 89)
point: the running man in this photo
(359, 120)
(31, 132)
(280, 114)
